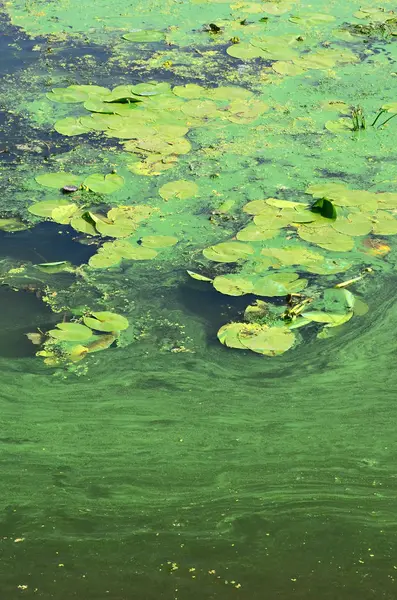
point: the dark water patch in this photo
(16, 48)
(47, 242)
(21, 313)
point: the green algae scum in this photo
(198, 236)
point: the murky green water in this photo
(169, 466)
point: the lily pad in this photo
(144, 36)
(287, 68)
(228, 252)
(70, 126)
(256, 233)
(233, 285)
(245, 51)
(342, 125)
(58, 180)
(190, 90)
(104, 184)
(354, 224)
(71, 332)
(293, 255)
(198, 276)
(158, 241)
(63, 214)
(12, 224)
(327, 238)
(106, 321)
(180, 189)
(45, 208)
(229, 335)
(279, 284)
(385, 224)
(269, 341)
(310, 19)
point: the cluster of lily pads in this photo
(152, 119)
(288, 53)
(72, 341)
(269, 330)
(284, 239)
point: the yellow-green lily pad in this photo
(228, 252)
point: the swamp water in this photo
(167, 465)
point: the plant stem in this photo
(377, 117)
(387, 120)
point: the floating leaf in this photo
(270, 341)
(255, 233)
(287, 68)
(144, 36)
(101, 342)
(178, 189)
(385, 224)
(12, 224)
(190, 90)
(106, 321)
(202, 109)
(83, 222)
(256, 207)
(198, 277)
(104, 184)
(229, 93)
(58, 180)
(338, 300)
(354, 224)
(55, 267)
(229, 334)
(71, 332)
(333, 320)
(342, 125)
(279, 284)
(360, 307)
(63, 214)
(45, 208)
(310, 19)
(325, 208)
(245, 51)
(70, 126)
(293, 255)
(228, 252)
(158, 241)
(326, 237)
(282, 204)
(77, 93)
(329, 266)
(233, 285)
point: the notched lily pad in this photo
(106, 321)
(104, 184)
